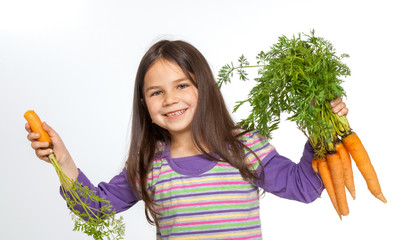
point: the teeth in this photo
(175, 113)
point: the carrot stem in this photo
(68, 184)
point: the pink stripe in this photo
(260, 156)
(207, 203)
(252, 143)
(209, 222)
(224, 165)
(157, 176)
(170, 170)
(201, 185)
(242, 238)
(154, 177)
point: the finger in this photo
(336, 102)
(343, 112)
(43, 154)
(28, 127)
(339, 107)
(39, 145)
(33, 136)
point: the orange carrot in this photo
(336, 171)
(327, 182)
(315, 165)
(347, 169)
(360, 156)
(36, 125)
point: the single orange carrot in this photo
(360, 156)
(336, 171)
(315, 165)
(347, 169)
(327, 182)
(36, 125)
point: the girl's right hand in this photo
(42, 150)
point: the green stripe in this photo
(228, 206)
(215, 169)
(257, 145)
(224, 169)
(168, 175)
(238, 224)
(174, 174)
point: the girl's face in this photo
(171, 98)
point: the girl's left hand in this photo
(339, 107)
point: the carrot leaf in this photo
(100, 223)
(298, 76)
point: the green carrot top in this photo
(299, 76)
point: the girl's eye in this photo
(156, 93)
(181, 86)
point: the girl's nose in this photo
(170, 98)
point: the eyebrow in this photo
(175, 81)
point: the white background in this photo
(74, 63)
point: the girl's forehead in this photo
(162, 71)
(162, 64)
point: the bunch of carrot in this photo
(300, 76)
(335, 169)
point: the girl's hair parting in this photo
(212, 125)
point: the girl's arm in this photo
(284, 178)
(117, 191)
(290, 180)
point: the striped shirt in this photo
(202, 199)
(211, 202)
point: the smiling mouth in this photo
(176, 113)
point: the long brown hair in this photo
(212, 125)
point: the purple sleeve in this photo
(290, 180)
(117, 191)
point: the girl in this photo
(196, 170)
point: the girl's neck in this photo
(182, 145)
